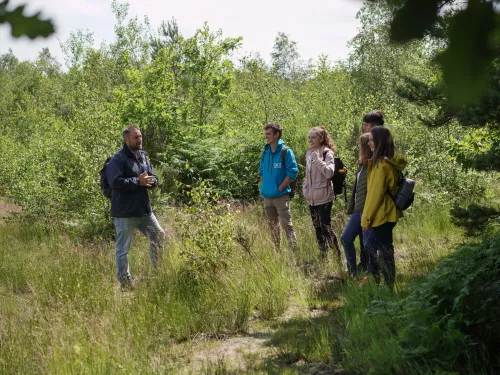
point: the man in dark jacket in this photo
(130, 176)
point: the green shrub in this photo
(449, 321)
(206, 227)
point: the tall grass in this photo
(352, 337)
(62, 310)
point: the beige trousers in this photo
(278, 209)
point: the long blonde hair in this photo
(365, 153)
(326, 138)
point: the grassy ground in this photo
(61, 310)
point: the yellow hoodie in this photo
(379, 207)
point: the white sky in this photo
(318, 26)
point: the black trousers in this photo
(321, 219)
(381, 253)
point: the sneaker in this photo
(127, 285)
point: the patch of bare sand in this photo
(7, 208)
(239, 351)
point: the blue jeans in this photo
(351, 231)
(125, 226)
(380, 248)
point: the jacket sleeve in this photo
(151, 173)
(292, 170)
(377, 186)
(116, 177)
(327, 167)
(352, 201)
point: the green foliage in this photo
(21, 25)
(206, 226)
(62, 310)
(202, 115)
(480, 149)
(466, 56)
(447, 322)
(451, 313)
(285, 57)
(474, 218)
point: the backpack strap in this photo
(401, 175)
(283, 155)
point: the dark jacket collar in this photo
(129, 152)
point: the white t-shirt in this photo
(308, 161)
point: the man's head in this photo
(273, 132)
(132, 137)
(372, 119)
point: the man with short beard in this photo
(130, 176)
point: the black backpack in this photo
(405, 195)
(338, 179)
(105, 188)
(293, 184)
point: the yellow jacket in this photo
(379, 207)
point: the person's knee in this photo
(273, 222)
(347, 238)
(344, 240)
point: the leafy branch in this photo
(21, 24)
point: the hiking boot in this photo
(127, 285)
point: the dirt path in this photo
(236, 353)
(7, 208)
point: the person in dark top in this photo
(355, 209)
(130, 176)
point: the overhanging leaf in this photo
(414, 19)
(21, 25)
(469, 55)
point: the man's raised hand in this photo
(145, 180)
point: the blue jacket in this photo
(128, 199)
(273, 172)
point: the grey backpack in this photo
(405, 195)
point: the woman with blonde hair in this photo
(318, 188)
(355, 209)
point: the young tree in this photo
(285, 57)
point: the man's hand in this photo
(284, 184)
(145, 180)
(366, 229)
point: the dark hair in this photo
(365, 152)
(384, 145)
(326, 138)
(128, 129)
(275, 126)
(374, 117)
